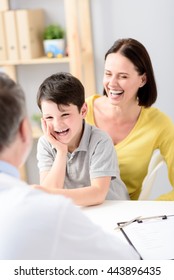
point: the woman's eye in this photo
(107, 74)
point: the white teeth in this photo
(60, 131)
(116, 92)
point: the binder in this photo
(4, 5)
(30, 25)
(3, 47)
(151, 237)
(11, 35)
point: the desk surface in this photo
(110, 212)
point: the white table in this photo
(110, 212)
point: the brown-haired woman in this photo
(125, 112)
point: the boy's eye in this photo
(65, 115)
(48, 118)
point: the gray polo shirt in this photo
(95, 157)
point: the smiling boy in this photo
(75, 159)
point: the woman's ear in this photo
(143, 80)
(84, 110)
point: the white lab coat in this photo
(37, 225)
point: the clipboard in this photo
(152, 237)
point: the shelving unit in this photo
(80, 50)
(79, 41)
(39, 60)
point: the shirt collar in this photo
(9, 169)
(84, 142)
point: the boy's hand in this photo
(49, 133)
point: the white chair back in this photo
(155, 164)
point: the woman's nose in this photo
(113, 81)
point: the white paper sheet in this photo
(153, 238)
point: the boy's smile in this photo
(62, 132)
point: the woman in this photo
(125, 112)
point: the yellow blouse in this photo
(153, 130)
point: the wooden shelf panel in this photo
(40, 60)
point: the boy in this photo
(74, 158)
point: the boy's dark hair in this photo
(12, 110)
(138, 55)
(63, 89)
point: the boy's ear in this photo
(84, 110)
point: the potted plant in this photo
(36, 118)
(54, 40)
(36, 125)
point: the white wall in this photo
(150, 22)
